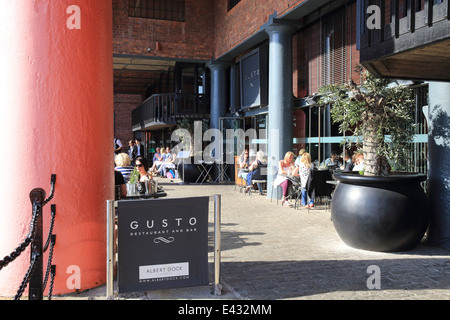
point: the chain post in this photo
(37, 197)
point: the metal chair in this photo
(259, 177)
(260, 184)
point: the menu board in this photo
(162, 243)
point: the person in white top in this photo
(118, 146)
(285, 167)
(304, 170)
(359, 162)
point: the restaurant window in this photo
(173, 10)
(334, 57)
(232, 4)
(321, 136)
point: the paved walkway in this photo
(274, 252)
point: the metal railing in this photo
(169, 107)
(35, 276)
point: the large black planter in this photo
(385, 214)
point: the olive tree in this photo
(379, 111)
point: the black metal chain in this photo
(27, 277)
(49, 262)
(50, 231)
(52, 189)
(16, 252)
(37, 207)
(52, 280)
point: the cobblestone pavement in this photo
(271, 252)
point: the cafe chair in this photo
(294, 190)
(318, 188)
(261, 187)
(277, 187)
(259, 178)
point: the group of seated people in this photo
(251, 168)
(286, 167)
(348, 163)
(123, 170)
(163, 162)
(300, 168)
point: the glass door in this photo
(232, 130)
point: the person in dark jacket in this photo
(139, 148)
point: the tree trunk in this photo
(374, 164)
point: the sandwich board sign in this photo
(162, 243)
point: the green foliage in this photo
(375, 109)
(134, 176)
(188, 124)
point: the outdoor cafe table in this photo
(159, 194)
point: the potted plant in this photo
(132, 182)
(381, 209)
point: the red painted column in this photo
(56, 116)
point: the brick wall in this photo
(237, 25)
(193, 39)
(245, 19)
(123, 105)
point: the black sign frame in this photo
(162, 243)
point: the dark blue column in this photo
(233, 89)
(219, 86)
(439, 162)
(280, 131)
(219, 103)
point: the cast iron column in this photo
(280, 130)
(219, 99)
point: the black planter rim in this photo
(393, 178)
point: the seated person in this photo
(244, 162)
(123, 165)
(333, 161)
(158, 160)
(348, 163)
(120, 187)
(255, 171)
(300, 153)
(304, 170)
(359, 162)
(168, 162)
(144, 175)
(157, 156)
(285, 167)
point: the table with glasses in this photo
(158, 194)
